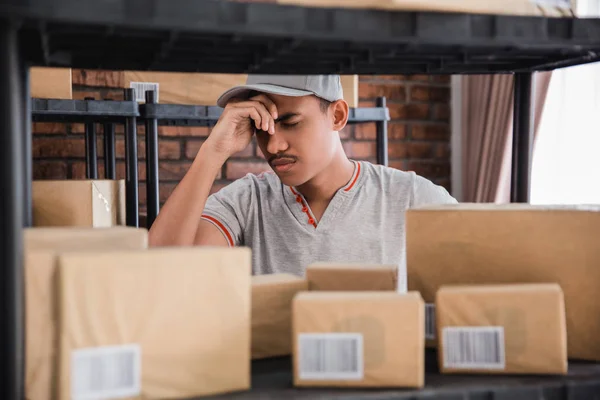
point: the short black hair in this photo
(323, 104)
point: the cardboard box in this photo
(41, 248)
(272, 297)
(161, 323)
(512, 243)
(506, 7)
(502, 329)
(50, 83)
(84, 203)
(351, 277)
(205, 89)
(358, 339)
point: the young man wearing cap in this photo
(317, 206)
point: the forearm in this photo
(177, 222)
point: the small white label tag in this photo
(141, 88)
(474, 347)
(331, 356)
(430, 326)
(107, 372)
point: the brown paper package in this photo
(205, 89)
(351, 277)
(51, 83)
(41, 248)
(85, 203)
(530, 317)
(391, 326)
(188, 310)
(272, 297)
(500, 244)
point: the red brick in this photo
(442, 151)
(100, 78)
(78, 170)
(409, 111)
(367, 103)
(396, 150)
(441, 112)
(396, 130)
(174, 171)
(360, 150)
(347, 132)
(429, 93)
(373, 90)
(238, 169)
(440, 78)
(398, 164)
(49, 170)
(430, 132)
(194, 131)
(418, 78)
(192, 147)
(367, 131)
(58, 148)
(382, 77)
(430, 169)
(167, 150)
(420, 150)
(49, 128)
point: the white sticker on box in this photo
(474, 347)
(106, 372)
(140, 89)
(430, 326)
(331, 356)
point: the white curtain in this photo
(566, 157)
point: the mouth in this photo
(283, 164)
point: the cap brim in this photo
(242, 91)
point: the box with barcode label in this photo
(351, 277)
(272, 296)
(502, 329)
(512, 243)
(358, 339)
(42, 246)
(162, 323)
(83, 203)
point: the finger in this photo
(267, 122)
(268, 103)
(252, 113)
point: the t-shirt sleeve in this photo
(228, 210)
(426, 192)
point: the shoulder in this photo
(420, 189)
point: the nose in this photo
(276, 143)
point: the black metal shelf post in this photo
(522, 144)
(382, 135)
(91, 150)
(152, 184)
(110, 159)
(27, 146)
(12, 77)
(131, 175)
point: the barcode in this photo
(430, 321)
(330, 356)
(473, 347)
(106, 372)
(141, 88)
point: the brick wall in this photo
(419, 135)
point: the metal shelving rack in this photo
(232, 37)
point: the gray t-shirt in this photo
(365, 221)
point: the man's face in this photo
(304, 142)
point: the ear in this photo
(339, 111)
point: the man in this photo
(318, 205)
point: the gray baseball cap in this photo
(328, 87)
